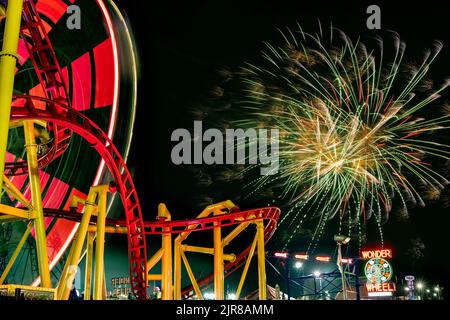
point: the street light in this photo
(316, 273)
(420, 286)
(438, 291)
(340, 239)
(298, 265)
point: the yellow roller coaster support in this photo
(226, 257)
(218, 262)
(36, 199)
(8, 60)
(166, 269)
(88, 269)
(16, 212)
(99, 262)
(15, 192)
(247, 265)
(69, 271)
(261, 260)
(191, 276)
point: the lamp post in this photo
(437, 289)
(340, 240)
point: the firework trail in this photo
(356, 127)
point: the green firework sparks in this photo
(357, 126)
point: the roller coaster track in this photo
(269, 214)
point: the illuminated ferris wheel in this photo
(91, 70)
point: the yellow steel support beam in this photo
(166, 268)
(2, 12)
(177, 269)
(88, 270)
(35, 185)
(15, 192)
(261, 260)
(217, 207)
(109, 229)
(104, 292)
(63, 279)
(8, 60)
(226, 257)
(247, 265)
(154, 277)
(197, 290)
(6, 218)
(68, 274)
(218, 264)
(16, 253)
(19, 123)
(16, 212)
(154, 259)
(234, 233)
(99, 260)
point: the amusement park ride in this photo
(50, 121)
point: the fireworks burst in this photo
(356, 127)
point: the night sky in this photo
(181, 46)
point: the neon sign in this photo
(369, 254)
(378, 272)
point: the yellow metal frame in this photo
(13, 191)
(95, 203)
(36, 198)
(8, 60)
(179, 255)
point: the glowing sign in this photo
(302, 256)
(380, 287)
(323, 258)
(378, 270)
(281, 254)
(369, 254)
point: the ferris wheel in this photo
(78, 86)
